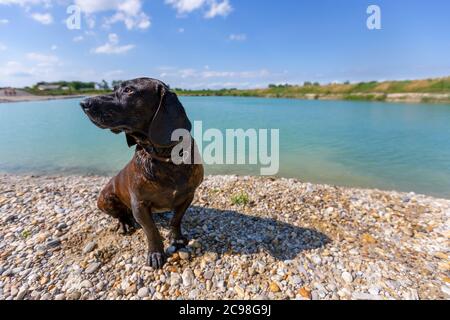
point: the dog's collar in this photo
(159, 154)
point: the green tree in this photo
(116, 83)
(104, 85)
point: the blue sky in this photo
(223, 43)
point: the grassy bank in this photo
(429, 90)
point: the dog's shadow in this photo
(237, 233)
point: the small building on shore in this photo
(48, 86)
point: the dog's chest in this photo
(165, 186)
(165, 200)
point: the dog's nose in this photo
(86, 104)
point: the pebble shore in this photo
(251, 238)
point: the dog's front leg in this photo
(143, 215)
(178, 239)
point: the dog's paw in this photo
(179, 243)
(124, 229)
(127, 227)
(156, 260)
(121, 228)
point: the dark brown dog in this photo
(148, 112)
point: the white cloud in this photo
(127, 11)
(23, 3)
(206, 77)
(238, 37)
(43, 59)
(28, 70)
(186, 6)
(89, 6)
(112, 46)
(140, 21)
(90, 21)
(219, 9)
(14, 69)
(54, 47)
(15, 73)
(213, 7)
(210, 74)
(44, 18)
(131, 7)
(78, 39)
(33, 67)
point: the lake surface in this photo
(404, 147)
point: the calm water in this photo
(377, 145)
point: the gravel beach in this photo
(251, 238)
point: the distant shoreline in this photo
(375, 97)
(32, 98)
(435, 90)
(410, 91)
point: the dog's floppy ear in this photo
(131, 141)
(169, 117)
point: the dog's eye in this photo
(128, 90)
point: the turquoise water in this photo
(402, 147)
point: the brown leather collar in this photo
(159, 154)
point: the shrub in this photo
(240, 199)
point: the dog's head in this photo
(145, 109)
